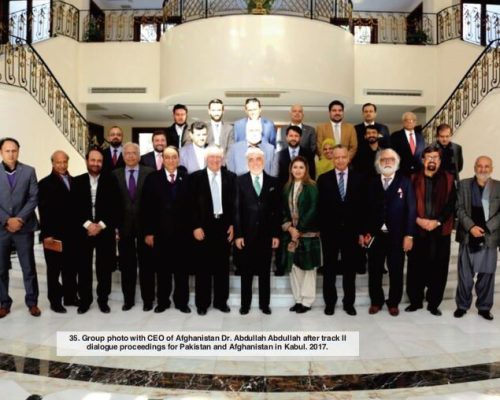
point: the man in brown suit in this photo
(341, 132)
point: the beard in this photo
(483, 177)
(115, 143)
(432, 167)
(388, 170)
(372, 140)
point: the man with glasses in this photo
(428, 262)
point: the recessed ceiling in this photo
(136, 4)
(386, 5)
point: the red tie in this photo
(172, 178)
(412, 143)
(115, 158)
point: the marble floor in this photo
(413, 356)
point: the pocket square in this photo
(271, 188)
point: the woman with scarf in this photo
(301, 244)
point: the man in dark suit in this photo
(340, 204)
(452, 160)
(55, 211)
(166, 230)
(154, 159)
(18, 222)
(369, 111)
(293, 149)
(132, 249)
(212, 200)
(113, 157)
(256, 228)
(178, 133)
(368, 148)
(219, 133)
(389, 227)
(409, 144)
(308, 138)
(96, 210)
(253, 110)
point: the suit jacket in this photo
(173, 138)
(394, 207)
(202, 209)
(107, 162)
(226, 138)
(457, 160)
(257, 218)
(130, 223)
(164, 205)
(21, 200)
(149, 160)
(307, 140)
(384, 135)
(237, 162)
(464, 213)
(268, 130)
(283, 159)
(107, 203)
(348, 137)
(188, 159)
(410, 163)
(54, 207)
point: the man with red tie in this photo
(154, 159)
(409, 143)
(113, 157)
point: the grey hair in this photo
(384, 151)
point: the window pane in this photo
(362, 34)
(148, 32)
(471, 25)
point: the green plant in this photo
(417, 37)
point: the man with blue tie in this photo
(341, 194)
(133, 251)
(55, 228)
(18, 222)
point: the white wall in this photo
(38, 135)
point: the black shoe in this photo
(485, 314)
(82, 309)
(435, 311)
(184, 309)
(266, 310)
(127, 306)
(244, 310)
(330, 310)
(147, 307)
(350, 310)
(303, 309)
(224, 308)
(74, 303)
(459, 313)
(57, 308)
(295, 307)
(104, 308)
(201, 311)
(160, 309)
(413, 307)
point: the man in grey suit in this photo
(132, 249)
(452, 160)
(192, 155)
(18, 222)
(236, 159)
(308, 138)
(219, 133)
(478, 232)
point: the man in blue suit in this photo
(18, 200)
(253, 110)
(390, 226)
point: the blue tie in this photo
(341, 186)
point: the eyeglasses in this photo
(388, 159)
(431, 158)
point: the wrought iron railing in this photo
(482, 77)
(22, 66)
(39, 22)
(449, 23)
(65, 20)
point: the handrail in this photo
(25, 68)
(480, 79)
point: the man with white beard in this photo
(478, 213)
(390, 226)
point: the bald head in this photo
(483, 167)
(59, 161)
(296, 114)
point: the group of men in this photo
(177, 210)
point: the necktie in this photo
(115, 156)
(172, 178)
(132, 186)
(386, 183)
(159, 161)
(412, 143)
(341, 185)
(256, 185)
(214, 188)
(294, 153)
(337, 133)
(65, 179)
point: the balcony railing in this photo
(22, 66)
(480, 79)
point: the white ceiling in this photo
(136, 4)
